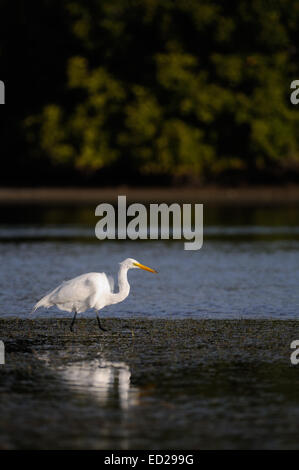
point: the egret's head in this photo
(130, 263)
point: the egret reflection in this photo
(108, 382)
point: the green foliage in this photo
(175, 87)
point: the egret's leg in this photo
(73, 321)
(99, 323)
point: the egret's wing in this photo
(75, 290)
(61, 294)
(79, 293)
(111, 283)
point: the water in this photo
(247, 268)
(148, 384)
(107, 382)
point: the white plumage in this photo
(91, 290)
(80, 293)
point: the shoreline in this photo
(262, 195)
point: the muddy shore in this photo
(149, 384)
(261, 195)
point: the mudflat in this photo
(149, 384)
(257, 195)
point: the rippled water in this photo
(247, 268)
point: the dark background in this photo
(151, 92)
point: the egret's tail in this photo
(44, 302)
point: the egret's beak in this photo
(141, 266)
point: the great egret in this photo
(91, 290)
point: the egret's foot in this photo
(100, 326)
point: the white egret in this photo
(91, 290)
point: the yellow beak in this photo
(141, 266)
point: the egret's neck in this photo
(123, 286)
